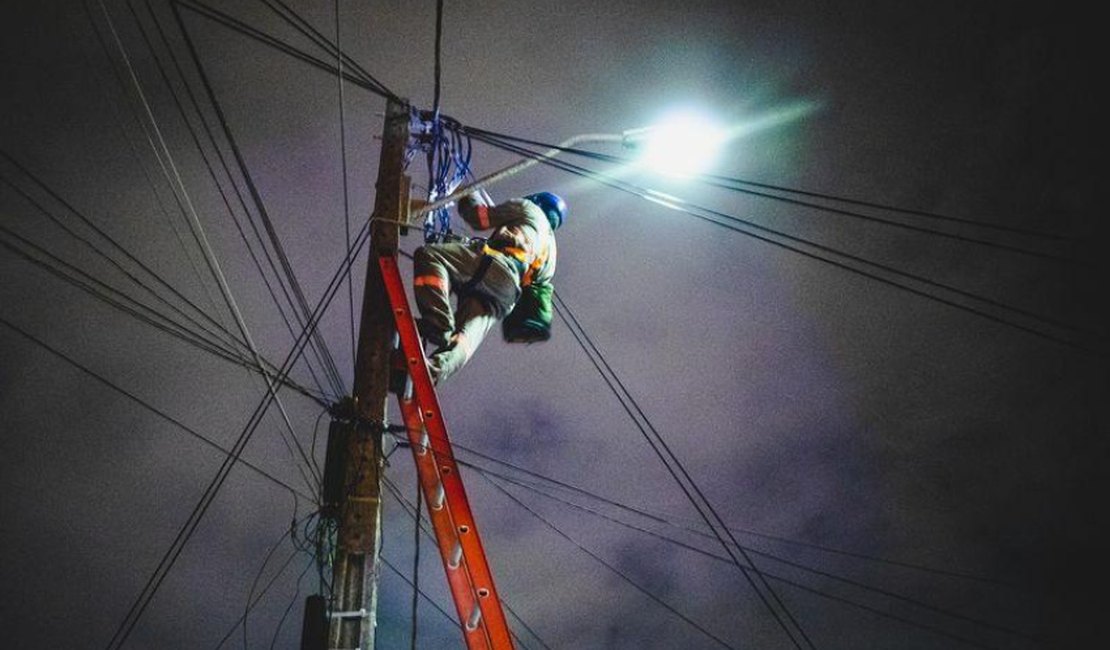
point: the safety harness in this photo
(530, 319)
(518, 257)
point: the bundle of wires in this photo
(447, 150)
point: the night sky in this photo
(900, 414)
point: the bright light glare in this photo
(684, 145)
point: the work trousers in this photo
(439, 269)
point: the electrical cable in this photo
(726, 182)
(643, 590)
(291, 441)
(660, 519)
(809, 569)
(146, 405)
(254, 583)
(416, 562)
(157, 577)
(415, 512)
(438, 57)
(263, 213)
(243, 29)
(140, 311)
(402, 576)
(712, 216)
(123, 302)
(182, 201)
(209, 253)
(304, 27)
(102, 86)
(258, 599)
(343, 160)
(336, 388)
(223, 341)
(685, 482)
(289, 607)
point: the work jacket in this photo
(522, 239)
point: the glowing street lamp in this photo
(683, 145)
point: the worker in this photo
(489, 277)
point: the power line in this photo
(623, 576)
(289, 607)
(243, 29)
(256, 198)
(660, 519)
(123, 302)
(336, 387)
(209, 254)
(114, 244)
(414, 511)
(102, 86)
(730, 183)
(291, 441)
(141, 312)
(242, 618)
(881, 612)
(438, 57)
(171, 555)
(683, 479)
(343, 160)
(796, 565)
(304, 27)
(729, 222)
(149, 407)
(254, 583)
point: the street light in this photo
(680, 146)
(685, 144)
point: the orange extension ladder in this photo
(468, 573)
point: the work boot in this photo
(446, 361)
(430, 335)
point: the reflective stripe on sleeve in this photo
(430, 280)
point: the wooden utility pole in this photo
(358, 542)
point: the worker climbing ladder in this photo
(460, 548)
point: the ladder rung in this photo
(475, 618)
(440, 496)
(456, 555)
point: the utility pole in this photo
(356, 481)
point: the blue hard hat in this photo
(552, 205)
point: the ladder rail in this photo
(464, 558)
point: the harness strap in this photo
(535, 266)
(517, 256)
(469, 286)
